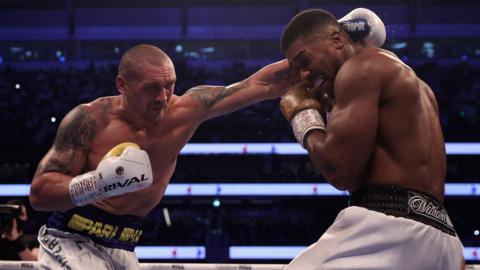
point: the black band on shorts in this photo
(403, 202)
(104, 228)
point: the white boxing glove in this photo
(365, 26)
(125, 168)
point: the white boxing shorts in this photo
(406, 230)
(69, 251)
(89, 238)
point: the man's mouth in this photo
(157, 107)
(318, 81)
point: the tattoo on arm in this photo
(78, 132)
(72, 140)
(55, 165)
(211, 95)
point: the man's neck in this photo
(127, 114)
(351, 50)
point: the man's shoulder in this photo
(99, 107)
(183, 109)
(183, 102)
(377, 59)
(102, 103)
(373, 63)
(93, 111)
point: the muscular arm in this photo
(342, 153)
(267, 83)
(66, 159)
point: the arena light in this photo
(463, 148)
(170, 252)
(255, 189)
(14, 190)
(289, 189)
(291, 149)
(264, 252)
(399, 45)
(464, 189)
(289, 252)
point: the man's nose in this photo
(162, 96)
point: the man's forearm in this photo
(49, 192)
(325, 160)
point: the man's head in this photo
(314, 43)
(146, 78)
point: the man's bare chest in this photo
(162, 144)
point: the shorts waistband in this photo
(403, 202)
(104, 228)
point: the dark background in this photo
(62, 53)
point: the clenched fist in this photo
(301, 109)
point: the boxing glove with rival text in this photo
(125, 168)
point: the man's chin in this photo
(155, 114)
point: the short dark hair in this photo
(306, 23)
(139, 54)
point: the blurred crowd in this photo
(33, 102)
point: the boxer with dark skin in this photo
(383, 142)
(148, 113)
(384, 127)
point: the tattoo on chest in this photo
(211, 95)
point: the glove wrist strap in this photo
(306, 121)
(84, 189)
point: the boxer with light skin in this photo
(112, 159)
(148, 113)
(154, 120)
(383, 143)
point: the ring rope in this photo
(23, 265)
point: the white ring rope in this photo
(18, 265)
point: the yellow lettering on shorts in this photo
(97, 229)
(129, 234)
(138, 233)
(107, 231)
(114, 233)
(79, 223)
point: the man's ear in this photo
(121, 84)
(337, 40)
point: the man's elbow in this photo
(335, 170)
(340, 184)
(332, 175)
(340, 179)
(37, 196)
